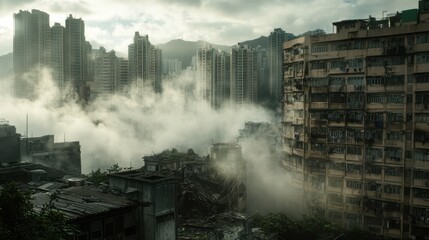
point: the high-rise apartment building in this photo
(213, 74)
(105, 74)
(275, 54)
(171, 67)
(244, 75)
(31, 50)
(122, 75)
(356, 119)
(75, 53)
(57, 55)
(145, 64)
(206, 73)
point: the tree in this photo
(19, 220)
(311, 228)
(97, 177)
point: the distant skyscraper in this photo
(213, 73)
(171, 67)
(57, 55)
(105, 75)
(205, 73)
(31, 50)
(75, 55)
(145, 64)
(122, 75)
(276, 40)
(263, 75)
(222, 83)
(244, 74)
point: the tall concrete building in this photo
(244, 75)
(57, 55)
(75, 53)
(275, 54)
(105, 74)
(222, 80)
(213, 70)
(356, 119)
(206, 73)
(31, 50)
(145, 64)
(171, 67)
(263, 76)
(122, 74)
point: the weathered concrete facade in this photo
(356, 119)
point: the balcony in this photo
(318, 122)
(421, 145)
(422, 127)
(332, 189)
(375, 106)
(341, 123)
(382, 70)
(337, 105)
(354, 158)
(353, 175)
(298, 152)
(396, 179)
(422, 86)
(336, 156)
(422, 107)
(375, 177)
(421, 68)
(318, 154)
(319, 89)
(423, 183)
(352, 191)
(318, 72)
(421, 164)
(352, 208)
(298, 105)
(298, 121)
(335, 172)
(393, 143)
(420, 201)
(319, 105)
(391, 196)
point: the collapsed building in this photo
(61, 155)
(268, 133)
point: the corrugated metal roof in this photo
(82, 201)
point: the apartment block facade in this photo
(356, 123)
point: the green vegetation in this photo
(19, 220)
(309, 228)
(97, 177)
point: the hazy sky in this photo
(112, 23)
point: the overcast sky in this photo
(112, 23)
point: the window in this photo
(318, 65)
(422, 98)
(395, 98)
(354, 150)
(375, 98)
(354, 184)
(422, 38)
(337, 116)
(357, 81)
(373, 170)
(338, 166)
(374, 43)
(422, 118)
(319, 48)
(421, 155)
(319, 97)
(372, 154)
(421, 193)
(353, 168)
(422, 58)
(354, 117)
(421, 175)
(422, 78)
(392, 189)
(337, 150)
(392, 171)
(353, 201)
(394, 135)
(395, 117)
(393, 153)
(333, 182)
(318, 82)
(337, 81)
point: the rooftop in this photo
(77, 202)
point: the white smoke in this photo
(123, 128)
